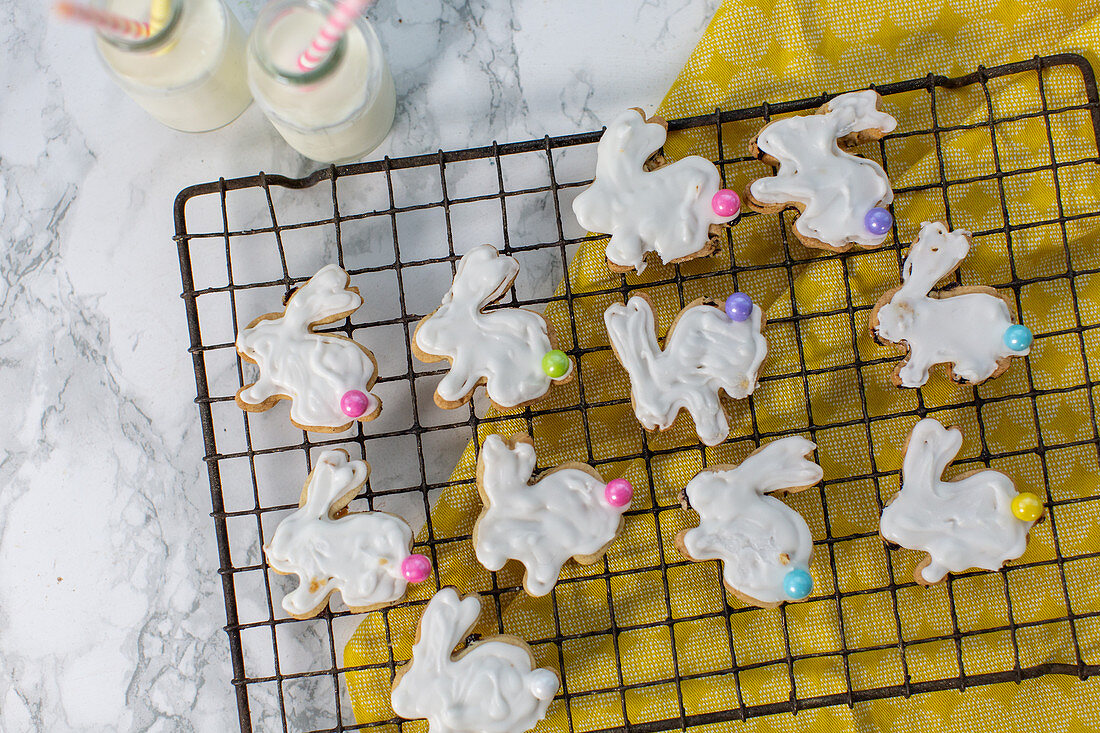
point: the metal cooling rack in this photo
(287, 674)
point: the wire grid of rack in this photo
(256, 461)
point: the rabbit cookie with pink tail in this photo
(968, 328)
(509, 350)
(841, 197)
(763, 544)
(568, 512)
(491, 686)
(326, 377)
(364, 555)
(976, 520)
(649, 205)
(708, 349)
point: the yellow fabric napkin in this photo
(755, 51)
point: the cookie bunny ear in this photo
(930, 450)
(503, 466)
(333, 477)
(936, 252)
(859, 111)
(783, 465)
(483, 276)
(630, 142)
(323, 298)
(445, 622)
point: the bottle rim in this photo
(269, 16)
(153, 41)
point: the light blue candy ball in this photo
(1018, 338)
(798, 583)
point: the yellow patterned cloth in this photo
(676, 621)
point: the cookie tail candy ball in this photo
(416, 568)
(618, 492)
(878, 220)
(739, 307)
(725, 203)
(543, 684)
(1018, 337)
(555, 363)
(1027, 507)
(354, 403)
(798, 583)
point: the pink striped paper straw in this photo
(336, 25)
(104, 21)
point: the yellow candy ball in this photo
(1027, 507)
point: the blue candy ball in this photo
(739, 307)
(1017, 337)
(878, 220)
(798, 583)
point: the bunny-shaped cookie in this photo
(671, 209)
(568, 512)
(841, 196)
(491, 686)
(364, 555)
(509, 350)
(706, 350)
(969, 328)
(976, 520)
(763, 544)
(327, 377)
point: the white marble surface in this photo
(110, 614)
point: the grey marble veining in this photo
(110, 609)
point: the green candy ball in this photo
(555, 363)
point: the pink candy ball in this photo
(354, 403)
(725, 203)
(618, 492)
(416, 568)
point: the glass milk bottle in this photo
(189, 73)
(339, 111)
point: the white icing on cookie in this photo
(961, 524)
(836, 188)
(758, 538)
(504, 347)
(667, 211)
(966, 330)
(564, 514)
(705, 351)
(313, 370)
(360, 554)
(491, 687)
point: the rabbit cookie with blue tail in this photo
(763, 544)
(976, 520)
(841, 197)
(969, 328)
(367, 556)
(327, 377)
(509, 350)
(491, 686)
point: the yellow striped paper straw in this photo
(158, 15)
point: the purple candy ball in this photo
(739, 307)
(878, 220)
